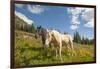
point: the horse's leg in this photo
(60, 49)
(72, 49)
(56, 52)
(68, 49)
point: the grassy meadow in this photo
(29, 51)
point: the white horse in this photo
(58, 39)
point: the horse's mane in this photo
(51, 29)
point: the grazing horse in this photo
(55, 37)
(41, 32)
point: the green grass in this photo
(29, 51)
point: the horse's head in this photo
(47, 38)
(44, 34)
(38, 32)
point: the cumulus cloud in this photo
(19, 5)
(75, 12)
(23, 17)
(75, 20)
(87, 14)
(73, 27)
(35, 9)
(88, 17)
(90, 24)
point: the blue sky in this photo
(64, 19)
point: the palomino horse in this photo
(53, 36)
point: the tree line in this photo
(21, 25)
(82, 40)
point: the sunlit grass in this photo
(29, 51)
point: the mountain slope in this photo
(22, 25)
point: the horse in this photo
(55, 37)
(41, 32)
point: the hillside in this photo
(29, 51)
(22, 25)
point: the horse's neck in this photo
(55, 35)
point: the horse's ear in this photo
(39, 27)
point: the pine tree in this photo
(77, 37)
(82, 40)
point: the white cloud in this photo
(87, 14)
(19, 5)
(75, 20)
(73, 27)
(88, 17)
(23, 17)
(36, 9)
(75, 12)
(90, 24)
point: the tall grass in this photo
(29, 51)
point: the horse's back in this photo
(66, 38)
(56, 37)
